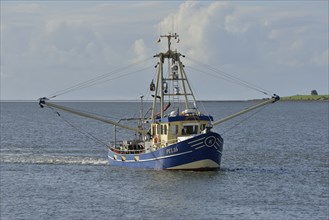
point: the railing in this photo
(121, 148)
(119, 151)
(124, 148)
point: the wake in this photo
(51, 159)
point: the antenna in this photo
(169, 36)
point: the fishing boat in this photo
(175, 135)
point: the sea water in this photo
(274, 166)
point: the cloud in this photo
(141, 51)
(23, 8)
(258, 42)
(321, 58)
(53, 41)
(265, 32)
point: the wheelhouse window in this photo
(174, 129)
(163, 129)
(190, 129)
(202, 127)
(153, 130)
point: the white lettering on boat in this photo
(172, 150)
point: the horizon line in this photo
(118, 100)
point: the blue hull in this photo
(201, 152)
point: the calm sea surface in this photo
(275, 166)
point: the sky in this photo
(48, 46)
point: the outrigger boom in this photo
(274, 99)
(42, 101)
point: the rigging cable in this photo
(198, 102)
(147, 96)
(229, 77)
(243, 120)
(96, 80)
(232, 79)
(81, 131)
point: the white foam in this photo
(49, 159)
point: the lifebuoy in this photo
(155, 139)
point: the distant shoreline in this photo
(306, 98)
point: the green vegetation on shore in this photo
(306, 98)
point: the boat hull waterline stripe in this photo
(196, 165)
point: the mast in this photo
(159, 90)
(142, 113)
(169, 36)
(161, 87)
(156, 93)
